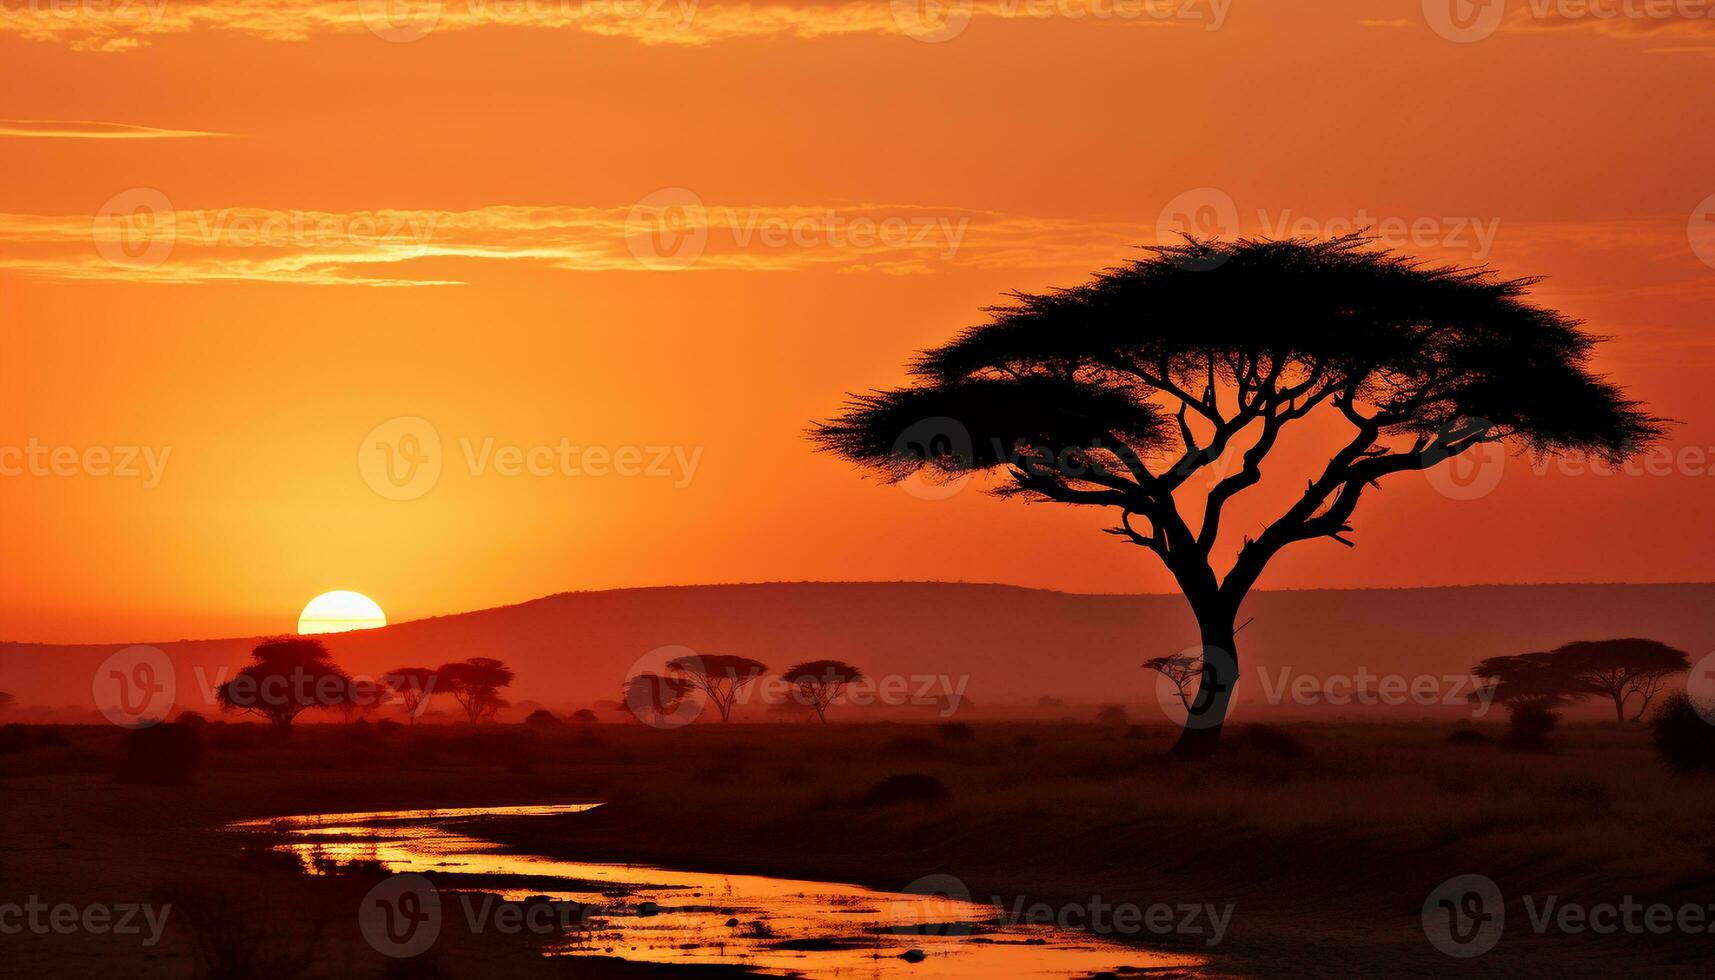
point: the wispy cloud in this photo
(120, 25)
(78, 129)
(138, 240)
(1678, 26)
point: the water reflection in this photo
(646, 913)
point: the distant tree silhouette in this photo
(291, 675)
(1624, 669)
(722, 677)
(1113, 715)
(5, 700)
(650, 697)
(1530, 686)
(818, 682)
(362, 696)
(475, 684)
(1180, 669)
(585, 716)
(1116, 393)
(413, 686)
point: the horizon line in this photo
(852, 582)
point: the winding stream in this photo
(645, 913)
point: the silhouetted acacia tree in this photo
(818, 682)
(291, 674)
(720, 676)
(475, 684)
(362, 696)
(651, 698)
(1181, 669)
(1195, 359)
(1530, 686)
(1623, 669)
(413, 686)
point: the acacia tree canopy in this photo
(290, 675)
(413, 686)
(818, 682)
(475, 684)
(1116, 392)
(720, 676)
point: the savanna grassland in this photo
(1325, 840)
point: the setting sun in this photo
(339, 612)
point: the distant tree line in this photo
(292, 674)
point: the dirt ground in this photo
(1325, 841)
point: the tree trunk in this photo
(1208, 712)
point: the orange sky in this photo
(444, 228)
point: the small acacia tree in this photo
(1530, 686)
(1180, 670)
(475, 684)
(413, 686)
(1623, 669)
(290, 675)
(818, 682)
(722, 677)
(654, 698)
(1197, 359)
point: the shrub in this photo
(1530, 728)
(160, 755)
(1683, 739)
(1468, 736)
(1268, 740)
(542, 718)
(15, 738)
(910, 787)
(956, 731)
(1114, 715)
(585, 716)
(912, 745)
(192, 718)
